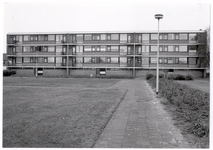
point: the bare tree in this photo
(204, 50)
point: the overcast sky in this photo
(102, 15)
(51, 17)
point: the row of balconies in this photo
(102, 54)
(104, 42)
(104, 65)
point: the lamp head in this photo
(158, 16)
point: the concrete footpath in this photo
(140, 121)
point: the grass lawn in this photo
(56, 112)
(200, 84)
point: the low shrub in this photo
(192, 106)
(189, 77)
(8, 72)
(149, 76)
(180, 77)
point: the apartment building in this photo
(105, 53)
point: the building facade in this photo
(104, 53)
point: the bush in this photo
(161, 75)
(189, 77)
(149, 76)
(191, 105)
(6, 73)
(180, 77)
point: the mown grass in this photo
(40, 112)
(189, 108)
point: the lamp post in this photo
(158, 16)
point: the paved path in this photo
(140, 121)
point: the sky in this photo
(120, 16)
(102, 15)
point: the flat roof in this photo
(90, 32)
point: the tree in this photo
(204, 50)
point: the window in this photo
(145, 61)
(154, 48)
(52, 60)
(79, 38)
(36, 38)
(154, 36)
(183, 48)
(171, 36)
(41, 37)
(108, 37)
(87, 60)
(139, 60)
(93, 48)
(165, 36)
(73, 50)
(138, 38)
(45, 37)
(103, 48)
(192, 61)
(51, 37)
(108, 48)
(129, 38)
(176, 48)
(95, 37)
(161, 36)
(139, 50)
(170, 49)
(163, 48)
(31, 38)
(114, 37)
(26, 49)
(32, 59)
(114, 60)
(182, 60)
(128, 50)
(145, 48)
(183, 36)
(45, 60)
(58, 49)
(74, 60)
(95, 60)
(26, 38)
(103, 36)
(162, 60)
(51, 49)
(145, 37)
(14, 49)
(172, 60)
(192, 37)
(128, 60)
(87, 48)
(160, 48)
(123, 37)
(39, 48)
(108, 60)
(26, 59)
(153, 60)
(18, 49)
(123, 60)
(123, 49)
(98, 48)
(45, 48)
(176, 36)
(114, 48)
(87, 37)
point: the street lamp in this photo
(158, 16)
